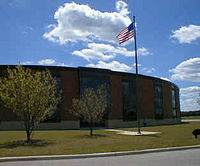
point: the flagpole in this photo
(136, 80)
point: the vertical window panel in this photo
(56, 113)
(158, 100)
(174, 113)
(129, 100)
(90, 79)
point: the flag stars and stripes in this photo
(126, 34)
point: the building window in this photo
(158, 100)
(93, 79)
(129, 100)
(174, 113)
(56, 113)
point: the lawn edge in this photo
(91, 155)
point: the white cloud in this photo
(190, 90)
(139, 65)
(62, 64)
(101, 52)
(107, 48)
(27, 29)
(46, 61)
(122, 8)
(148, 70)
(187, 70)
(80, 22)
(143, 51)
(90, 54)
(187, 34)
(188, 98)
(51, 26)
(106, 52)
(27, 63)
(114, 65)
(164, 78)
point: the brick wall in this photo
(116, 97)
(167, 100)
(7, 115)
(146, 97)
(70, 89)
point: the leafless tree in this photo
(91, 106)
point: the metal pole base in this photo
(139, 131)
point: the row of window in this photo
(93, 80)
(88, 79)
(158, 100)
(129, 100)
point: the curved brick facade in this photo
(158, 100)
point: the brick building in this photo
(158, 100)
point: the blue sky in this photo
(83, 33)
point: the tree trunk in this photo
(91, 131)
(28, 135)
(91, 128)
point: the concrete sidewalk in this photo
(190, 120)
(133, 132)
(107, 154)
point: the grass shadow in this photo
(184, 122)
(91, 137)
(150, 135)
(175, 124)
(96, 135)
(23, 143)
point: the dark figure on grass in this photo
(196, 132)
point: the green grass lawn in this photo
(77, 141)
(190, 117)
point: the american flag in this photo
(126, 34)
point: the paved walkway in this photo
(190, 120)
(93, 155)
(172, 158)
(133, 132)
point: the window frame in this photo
(158, 101)
(127, 105)
(174, 105)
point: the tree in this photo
(32, 95)
(91, 106)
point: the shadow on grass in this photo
(22, 143)
(149, 135)
(95, 136)
(176, 124)
(149, 126)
